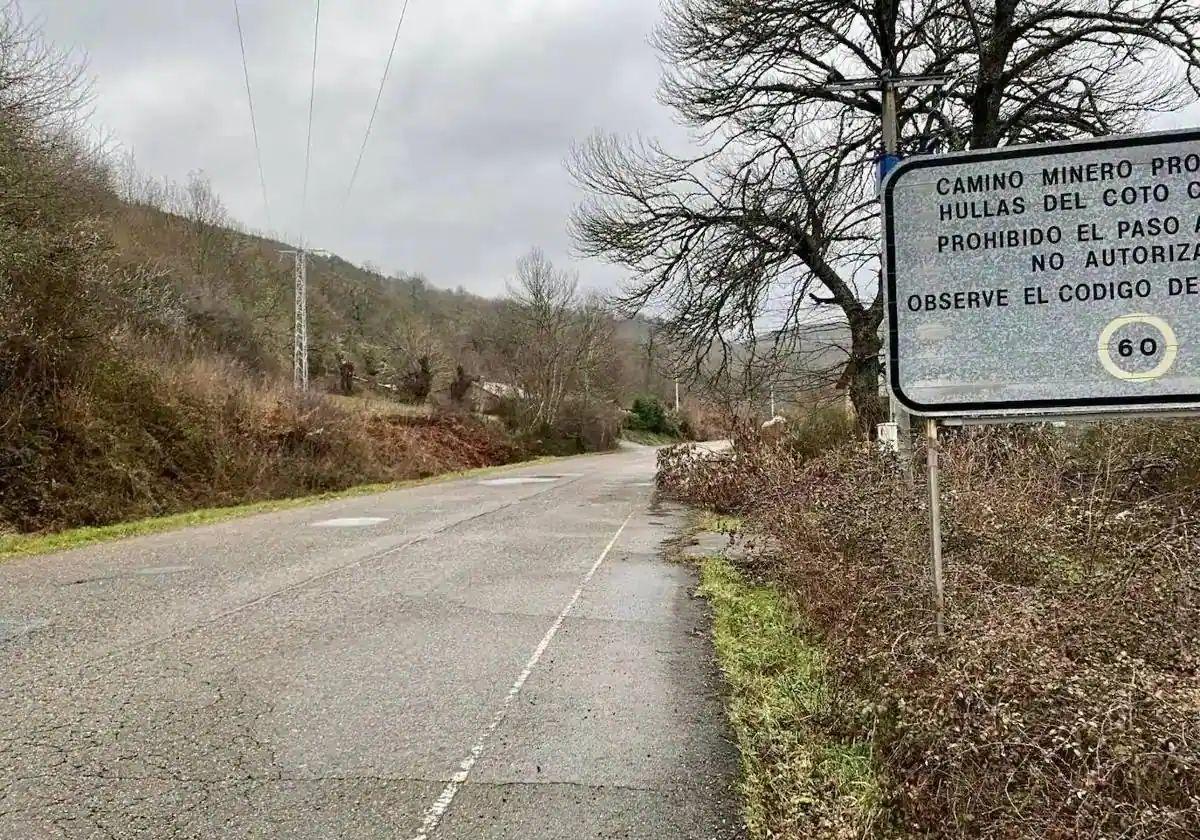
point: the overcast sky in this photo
(465, 168)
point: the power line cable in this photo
(312, 96)
(262, 178)
(378, 98)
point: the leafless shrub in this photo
(40, 84)
(1064, 702)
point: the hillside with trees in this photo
(146, 341)
(403, 335)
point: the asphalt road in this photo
(485, 658)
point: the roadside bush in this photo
(583, 425)
(819, 429)
(1063, 701)
(650, 415)
(722, 482)
(595, 424)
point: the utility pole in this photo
(300, 346)
(887, 84)
(891, 152)
(773, 412)
(300, 331)
(676, 396)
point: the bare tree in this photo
(776, 219)
(40, 84)
(55, 285)
(420, 356)
(557, 340)
(207, 221)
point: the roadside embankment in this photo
(146, 440)
(1063, 701)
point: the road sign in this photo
(1049, 279)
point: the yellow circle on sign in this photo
(1168, 359)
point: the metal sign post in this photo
(935, 522)
(887, 84)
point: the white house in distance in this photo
(489, 397)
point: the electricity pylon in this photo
(300, 334)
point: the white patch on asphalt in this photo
(351, 522)
(526, 479)
(442, 804)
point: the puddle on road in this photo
(351, 522)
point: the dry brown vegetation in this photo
(140, 439)
(1065, 700)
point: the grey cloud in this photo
(464, 172)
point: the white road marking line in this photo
(151, 571)
(442, 804)
(350, 522)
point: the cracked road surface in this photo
(484, 658)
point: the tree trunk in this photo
(862, 376)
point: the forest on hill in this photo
(146, 341)
(235, 291)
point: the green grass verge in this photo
(709, 521)
(650, 438)
(797, 781)
(23, 545)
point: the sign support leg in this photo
(935, 523)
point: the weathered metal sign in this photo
(1046, 279)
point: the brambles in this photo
(1065, 702)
